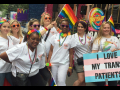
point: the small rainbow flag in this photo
(52, 83)
(67, 12)
(110, 20)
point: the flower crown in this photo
(33, 30)
(2, 21)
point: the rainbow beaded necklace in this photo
(63, 35)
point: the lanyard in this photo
(34, 59)
(60, 44)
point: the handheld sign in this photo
(101, 66)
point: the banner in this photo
(101, 66)
(22, 14)
(96, 18)
(13, 15)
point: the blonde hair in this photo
(20, 30)
(31, 23)
(100, 32)
(42, 18)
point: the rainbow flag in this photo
(110, 20)
(52, 83)
(67, 12)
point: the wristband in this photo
(48, 64)
(46, 28)
(58, 29)
(70, 67)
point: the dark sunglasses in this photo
(47, 18)
(36, 25)
(65, 26)
(18, 25)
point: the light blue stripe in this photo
(62, 14)
(92, 79)
(100, 54)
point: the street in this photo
(70, 80)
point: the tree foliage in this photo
(6, 8)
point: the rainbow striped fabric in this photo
(110, 20)
(67, 12)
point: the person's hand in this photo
(69, 71)
(114, 50)
(49, 68)
(54, 24)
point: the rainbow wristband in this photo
(46, 28)
(48, 64)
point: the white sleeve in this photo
(118, 43)
(15, 40)
(73, 41)
(52, 40)
(95, 46)
(13, 53)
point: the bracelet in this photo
(46, 28)
(70, 67)
(58, 29)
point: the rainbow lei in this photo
(2, 21)
(33, 30)
(64, 35)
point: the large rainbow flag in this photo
(67, 12)
(110, 20)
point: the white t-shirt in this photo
(5, 66)
(106, 44)
(42, 61)
(19, 57)
(80, 48)
(47, 44)
(60, 55)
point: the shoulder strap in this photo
(47, 35)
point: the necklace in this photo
(81, 41)
(63, 35)
(32, 62)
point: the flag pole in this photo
(59, 13)
(52, 77)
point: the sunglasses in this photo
(15, 25)
(47, 18)
(36, 25)
(65, 26)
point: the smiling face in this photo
(33, 40)
(15, 27)
(35, 25)
(80, 28)
(106, 30)
(64, 26)
(47, 20)
(5, 28)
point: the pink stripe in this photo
(101, 61)
(92, 73)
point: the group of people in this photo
(45, 42)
